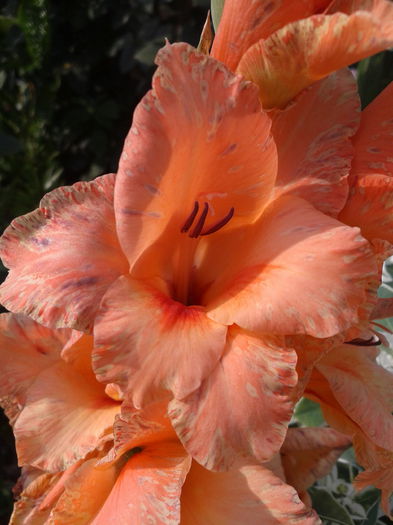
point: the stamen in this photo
(372, 341)
(201, 221)
(187, 225)
(220, 223)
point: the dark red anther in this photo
(201, 221)
(187, 225)
(373, 341)
(220, 223)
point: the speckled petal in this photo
(243, 408)
(148, 488)
(198, 136)
(294, 271)
(258, 20)
(307, 50)
(248, 495)
(149, 342)
(313, 142)
(63, 256)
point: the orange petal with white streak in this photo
(294, 271)
(305, 51)
(64, 405)
(313, 142)
(248, 495)
(243, 408)
(148, 341)
(63, 256)
(198, 136)
(258, 20)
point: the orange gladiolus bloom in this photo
(202, 264)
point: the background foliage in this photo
(71, 74)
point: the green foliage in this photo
(216, 9)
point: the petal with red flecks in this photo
(243, 407)
(149, 342)
(294, 271)
(305, 51)
(247, 495)
(63, 256)
(198, 136)
(313, 142)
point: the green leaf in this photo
(309, 413)
(216, 7)
(374, 74)
(328, 508)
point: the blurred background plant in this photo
(71, 74)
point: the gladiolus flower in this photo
(214, 267)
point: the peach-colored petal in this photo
(313, 142)
(294, 271)
(243, 23)
(383, 308)
(248, 495)
(373, 141)
(84, 493)
(149, 341)
(363, 389)
(198, 136)
(370, 207)
(307, 50)
(133, 428)
(66, 414)
(309, 454)
(243, 407)
(148, 488)
(27, 507)
(26, 349)
(63, 256)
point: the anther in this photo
(220, 223)
(372, 341)
(187, 225)
(201, 221)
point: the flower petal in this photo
(307, 50)
(313, 142)
(26, 349)
(309, 454)
(247, 495)
(243, 407)
(64, 405)
(258, 20)
(363, 388)
(294, 271)
(148, 488)
(150, 342)
(198, 136)
(63, 256)
(373, 141)
(370, 207)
